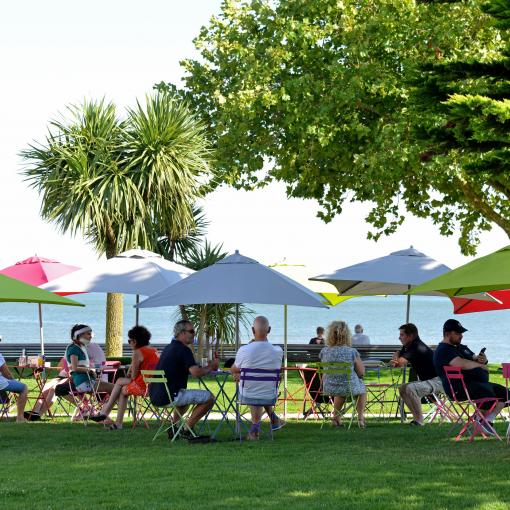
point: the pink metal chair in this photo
(470, 412)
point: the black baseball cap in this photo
(453, 325)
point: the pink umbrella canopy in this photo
(38, 271)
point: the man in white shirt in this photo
(259, 395)
(7, 383)
(359, 338)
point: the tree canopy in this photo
(317, 95)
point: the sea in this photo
(380, 317)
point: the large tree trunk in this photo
(114, 310)
(114, 323)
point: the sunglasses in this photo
(192, 331)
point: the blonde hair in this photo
(338, 334)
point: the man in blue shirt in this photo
(178, 362)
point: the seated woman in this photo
(82, 375)
(339, 348)
(144, 358)
(8, 384)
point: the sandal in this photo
(98, 417)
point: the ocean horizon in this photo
(380, 317)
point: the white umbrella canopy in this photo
(139, 272)
(394, 274)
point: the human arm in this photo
(76, 368)
(236, 373)
(4, 370)
(197, 371)
(466, 364)
(397, 360)
(481, 358)
(136, 361)
(359, 368)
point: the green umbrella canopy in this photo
(484, 274)
(12, 290)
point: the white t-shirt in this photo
(259, 355)
(3, 381)
(360, 339)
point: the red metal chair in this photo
(506, 376)
(470, 412)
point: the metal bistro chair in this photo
(262, 375)
(469, 410)
(341, 369)
(6, 402)
(506, 376)
(152, 377)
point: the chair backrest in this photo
(334, 368)
(455, 374)
(156, 377)
(267, 375)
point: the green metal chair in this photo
(341, 369)
(158, 377)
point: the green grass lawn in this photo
(50, 465)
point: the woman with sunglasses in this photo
(144, 358)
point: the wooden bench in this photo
(296, 353)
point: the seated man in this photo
(319, 339)
(178, 362)
(420, 356)
(474, 368)
(7, 383)
(259, 395)
(359, 338)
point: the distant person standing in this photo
(359, 338)
(319, 339)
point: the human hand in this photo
(482, 358)
(214, 364)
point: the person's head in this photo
(453, 331)
(320, 331)
(358, 329)
(139, 336)
(338, 334)
(184, 332)
(408, 333)
(260, 328)
(81, 334)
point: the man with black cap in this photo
(474, 368)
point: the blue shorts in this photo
(15, 386)
(247, 401)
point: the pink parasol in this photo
(38, 271)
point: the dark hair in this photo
(320, 330)
(76, 327)
(409, 329)
(141, 335)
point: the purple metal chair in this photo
(262, 375)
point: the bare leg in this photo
(199, 411)
(114, 395)
(412, 401)
(338, 403)
(20, 405)
(360, 407)
(123, 401)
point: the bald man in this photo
(259, 353)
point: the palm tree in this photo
(119, 181)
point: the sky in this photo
(56, 53)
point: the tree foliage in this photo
(462, 120)
(316, 94)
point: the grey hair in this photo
(358, 328)
(261, 323)
(180, 326)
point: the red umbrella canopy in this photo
(37, 270)
(461, 305)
